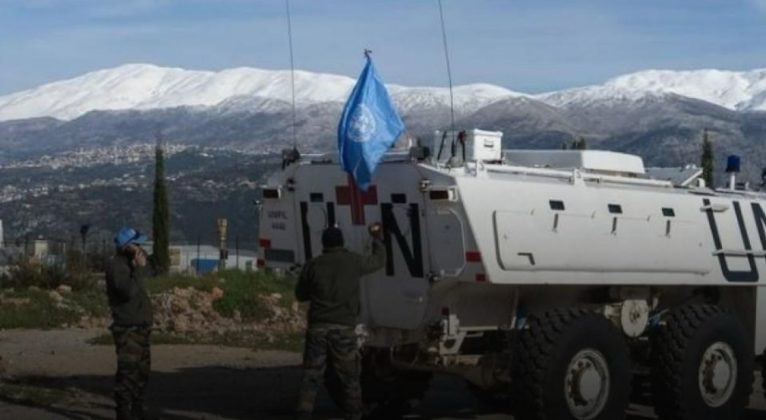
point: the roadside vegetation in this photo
(18, 392)
(72, 294)
(242, 291)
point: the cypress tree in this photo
(706, 161)
(160, 215)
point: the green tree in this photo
(706, 161)
(160, 215)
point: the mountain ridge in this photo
(150, 87)
(146, 87)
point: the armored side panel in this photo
(559, 232)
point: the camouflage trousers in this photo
(339, 345)
(133, 366)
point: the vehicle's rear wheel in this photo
(387, 392)
(702, 365)
(571, 364)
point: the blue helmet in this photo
(127, 236)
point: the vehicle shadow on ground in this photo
(245, 393)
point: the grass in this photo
(243, 292)
(284, 342)
(25, 394)
(40, 311)
(156, 339)
(161, 284)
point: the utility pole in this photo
(197, 262)
(223, 255)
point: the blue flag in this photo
(368, 127)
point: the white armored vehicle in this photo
(560, 279)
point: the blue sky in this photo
(529, 46)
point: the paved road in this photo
(240, 398)
(197, 382)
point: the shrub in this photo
(163, 283)
(36, 309)
(30, 273)
(73, 271)
(243, 292)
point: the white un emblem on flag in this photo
(361, 125)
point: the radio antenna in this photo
(292, 70)
(449, 72)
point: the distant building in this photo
(190, 258)
(37, 248)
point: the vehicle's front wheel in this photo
(702, 365)
(571, 364)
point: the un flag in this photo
(368, 127)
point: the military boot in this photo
(139, 411)
(302, 415)
(123, 413)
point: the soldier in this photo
(132, 321)
(331, 283)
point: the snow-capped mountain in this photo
(742, 91)
(145, 87)
(657, 114)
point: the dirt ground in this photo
(58, 375)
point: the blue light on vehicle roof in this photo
(732, 163)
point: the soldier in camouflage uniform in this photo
(132, 321)
(331, 283)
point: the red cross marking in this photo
(350, 195)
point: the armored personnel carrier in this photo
(555, 281)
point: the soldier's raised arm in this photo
(377, 259)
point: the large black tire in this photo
(387, 392)
(763, 372)
(692, 351)
(548, 355)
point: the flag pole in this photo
(449, 76)
(292, 70)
